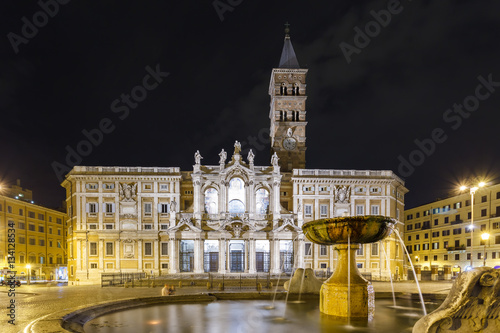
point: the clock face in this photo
(289, 143)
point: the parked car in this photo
(17, 282)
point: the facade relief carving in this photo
(342, 194)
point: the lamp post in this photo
(472, 192)
(485, 236)
(28, 266)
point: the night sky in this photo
(365, 111)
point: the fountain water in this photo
(413, 269)
(387, 262)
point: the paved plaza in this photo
(35, 302)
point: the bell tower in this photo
(288, 109)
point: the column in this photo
(139, 255)
(78, 255)
(251, 255)
(222, 256)
(275, 256)
(118, 255)
(101, 254)
(155, 209)
(173, 266)
(156, 264)
(198, 256)
(246, 255)
(100, 214)
(300, 252)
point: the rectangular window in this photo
(109, 208)
(148, 249)
(484, 198)
(435, 258)
(41, 217)
(360, 210)
(148, 186)
(93, 248)
(435, 234)
(323, 211)
(108, 186)
(92, 207)
(445, 257)
(468, 256)
(435, 245)
(409, 217)
(457, 231)
(445, 244)
(416, 247)
(426, 258)
(425, 246)
(32, 241)
(457, 256)
(164, 266)
(374, 249)
(483, 212)
(497, 239)
(9, 210)
(109, 248)
(375, 209)
(21, 212)
(417, 237)
(322, 250)
(163, 226)
(163, 187)
(164, 249)
(483, 227)
(417, 215)
(436, 221)
(93, 265)
(41, 242)
(31, 227)
(148, 209)
(59, 221)
(468, 215)
(22, 240)
(409, 238)
(359, 252)
(446, 219)
(21, 225)
(148, 227)
(409, 227)
(164, 208)
(307, 249)
(426, 235)
(41, 228)
(307, 210)
(445, 232)
(109, 226)
(92, 226)
(50, 243)
(50, 230)
(493, 255)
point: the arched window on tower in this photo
(236, 196)
(262, 201)
(211, 201)
(281, 90)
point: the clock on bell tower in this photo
(288, 109)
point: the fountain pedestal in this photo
(334, 295)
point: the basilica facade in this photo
(230, 218)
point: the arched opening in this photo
(211, 201)
(262, 201)
(236, 196)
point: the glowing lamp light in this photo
(463, 188)
(482, 184)
(485, 236)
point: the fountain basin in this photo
(362, 229)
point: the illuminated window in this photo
(211, 201)
(262, 201)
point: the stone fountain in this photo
(335, 297)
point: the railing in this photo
(118, 279)
(455, 248)
(116, 169)
(457, 222)
(366, 173)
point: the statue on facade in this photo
(250, 156)
(173, 206)
(128, 192)
(223, 156)
(197, 157)
(342, 194)
(237, 147)
(274, 159)
(289, 132)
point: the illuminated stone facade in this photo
(234, 217)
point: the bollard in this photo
(180, 284)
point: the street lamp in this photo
(28, 266)
(472, 192)
(485, 236)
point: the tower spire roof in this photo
(288, 57)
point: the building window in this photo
(262, 201)
(93, 265)
(416, 247)
(457, 256)
(50, 243)
(374, 249)
(409, 217)
(323, 210)
(164, 208)
(445, 232)
(307, 210)
(211, 201)
(436, 221)
(360, 210)
(483, 212)
(91, 186)
(446, 220)
(22, 240)
(41, 217)
(92, 226)
(426, 235)
(375, 209)
(163, 187)
(322, 265)
(322, 250)
(307, 249)
(91, 207)
(445, 257)
(409, 238)
(417, 215)
(435, 234)
(457, 231)
(21, 225)
(417, 237)
(445, 244)
(109, 248)
(484, 198)
(31, 227)
(148, 208)
(93, 248)
(148, 249)
(109, 208)
(21, 211)
(32, 241)
(409, 227)
(425, 246)
(426, 258)
(493, 255)
(435, 245)
(41, 228)
(109, 226)
(164, 266)
(148, 187)
(148, 227)
(9, 209)
(164, 249)
(163, 226)
(59, 221)
(359, 251)
(108, 186)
